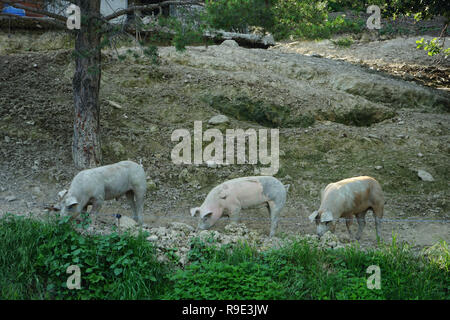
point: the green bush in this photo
(34, 257)
(112, 266)
(299, 18)
(223, 281)
(237, 15)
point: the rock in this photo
(329, 240)
(425, 176)
(7, 139)
(115, 104)
(229, 43)
(420, 155)
(152, 238)
(126, 223)
(179, 226)
(10, 198)
(205, 235)
(378, 167)
(238, 229)
(211, 164)
(219, 119)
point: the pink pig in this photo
(242, 193)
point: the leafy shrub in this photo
(237, 15)
(112, 266)
(34, 257)
(222, 281)
(432, 47)
(299, 18)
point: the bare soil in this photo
(36, 128)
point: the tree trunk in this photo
(86, 148)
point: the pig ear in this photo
(326, 216)
(194, 211)
(71, 201)
(62, 193)
(313, 216)
(206, 215)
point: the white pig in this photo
(348, 198)
(93, 186)
(242, 193)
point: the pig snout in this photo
(206, 222)
(322, 228)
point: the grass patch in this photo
(267, 114)
(34, 256)
(343, 42)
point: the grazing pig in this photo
(93, 186)
(242, 193)
(346, 198)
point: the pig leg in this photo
(274, 210)
(348, 223)
(235, 214)
(130, 197)
(361, 218)
(138, 215)
(96, 205)
(378, 214)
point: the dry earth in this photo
(336, 120)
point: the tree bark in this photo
(86, 147)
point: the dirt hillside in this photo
(336, 119)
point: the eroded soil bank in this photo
(336, 120)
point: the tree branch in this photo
(151, 6)
(34, 10)
(37, 19)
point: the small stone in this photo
(152, 238)
(115, 104)
(425, 176)
(35, 65)
(11, 198)
(378, 167)
(7, 139)
(126, 223)
(219, 119)
(229, 43)
(420, 155)
(182, 227)
(211, 164)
